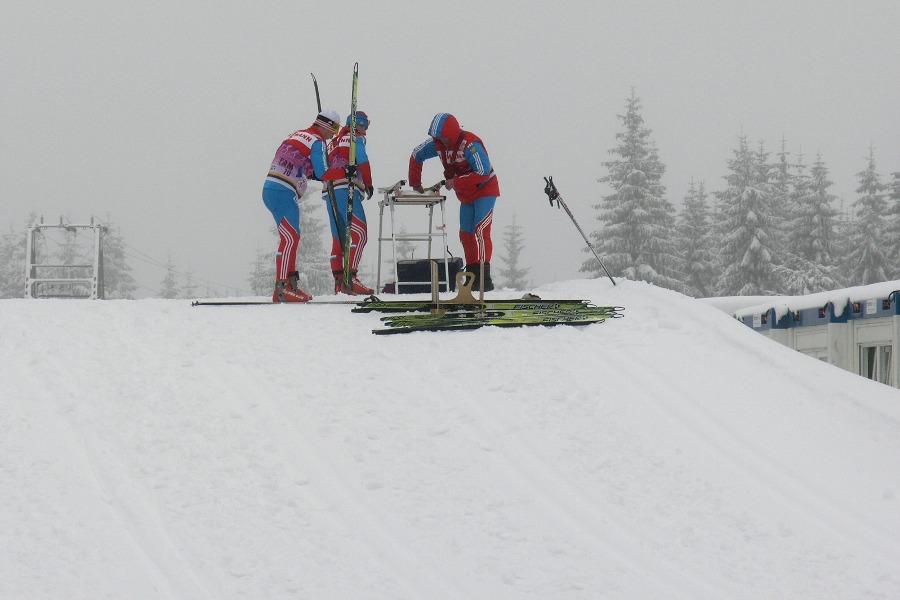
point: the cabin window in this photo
(875, 363)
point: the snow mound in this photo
(152, 449)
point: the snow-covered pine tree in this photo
(12, 263)
(868, 241)
(766, 179)
(405, 248)
(694, 236)
(189, 289)
(638, 222)
(843, 227)
(745, 227)
(169, 284)
(513, 275)
(783, 181)
(367, 273)
(800, 182)
(262, 272)
(117, 280)
(312, 256)
(812, 241)
(893, 224)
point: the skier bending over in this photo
(467, 171)
(300, 157)
(339, 156)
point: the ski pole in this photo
(329, 185)
(318, 98)
(553, 194)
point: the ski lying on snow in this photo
(374, 304)
(467, 324)
(586, 312)
(428, 305)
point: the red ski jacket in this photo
(465, 160)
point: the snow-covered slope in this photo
(151, 449)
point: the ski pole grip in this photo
(550, 190)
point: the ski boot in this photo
(286, 292)
(475, 270)
(356, 288)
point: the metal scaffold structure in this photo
(75, 270)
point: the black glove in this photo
(370, 191)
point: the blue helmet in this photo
(362, 119)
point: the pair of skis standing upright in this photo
(346, 227)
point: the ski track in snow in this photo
(158, 450)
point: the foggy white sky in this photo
(165, 115)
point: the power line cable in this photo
(166, 266)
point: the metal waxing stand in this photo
(395, 196)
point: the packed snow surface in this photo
(151, 449)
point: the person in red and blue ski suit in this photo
(301, 157)
(467, 171)
(339, 158)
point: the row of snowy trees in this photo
(774, 229)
